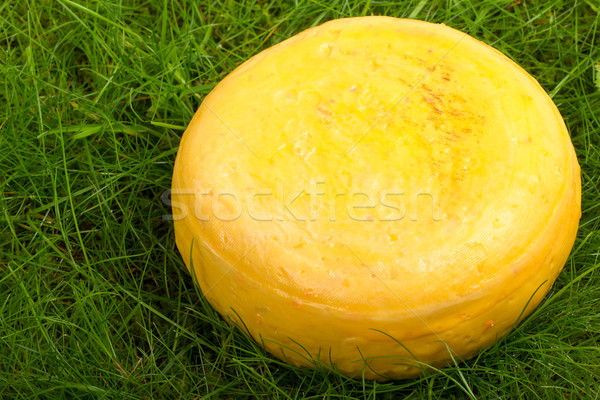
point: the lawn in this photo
(95, 301)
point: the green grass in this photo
(95, 301)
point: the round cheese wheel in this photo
(377, 194)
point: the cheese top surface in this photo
(369, 152)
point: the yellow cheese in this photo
(375, 193)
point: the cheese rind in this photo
(376, 188)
